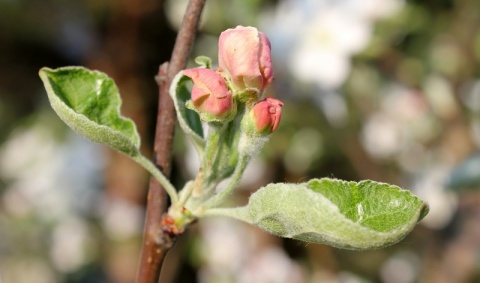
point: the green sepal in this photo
(220, 157)
(204, 62)
(349, 215)
(89, 103)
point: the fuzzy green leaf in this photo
(350, 215)
(188, 119)
(89, 103)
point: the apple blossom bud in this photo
(267, 114)
(244, 58)
(257, 124)
(210, 95)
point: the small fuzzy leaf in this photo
(350, 215)
(89, 103)
(188, 119)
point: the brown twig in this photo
(156, 242)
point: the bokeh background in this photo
(387, 90)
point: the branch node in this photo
(161, 77)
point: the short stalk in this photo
(208, 166)
(217, 199)
(157, 174)
(186, 192)
(240, 213)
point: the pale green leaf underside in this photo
(89, 103)
(342, 214)
(188, 119)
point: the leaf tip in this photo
(424, 210)
(43, 72)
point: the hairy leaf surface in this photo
(342, 214)
(89, 103)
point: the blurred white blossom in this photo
(381, 136)
(231, 252)
(334, 107)
(272, 265)
(44, 172)
(322, 36)
(402, 267)
(51, 182)
(401, 125)
(323, 51)
(70, 244)
(226, 245)
(373, 9)
(121, 219)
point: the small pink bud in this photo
(210, 94)
(244, 57)
(267, 114)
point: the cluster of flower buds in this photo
(244, 71)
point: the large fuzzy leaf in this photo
(89, 102)
(342, 214)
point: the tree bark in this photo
(156, 240)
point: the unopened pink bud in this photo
(210, 94)
(267, 114)
(244, 57)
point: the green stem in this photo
(209, 166)
(215, 134)
(240, 213)
(186, 192)
(237, 174)
(169, 188)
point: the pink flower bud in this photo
(210, 94)
(244, 58)
(267, 114)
